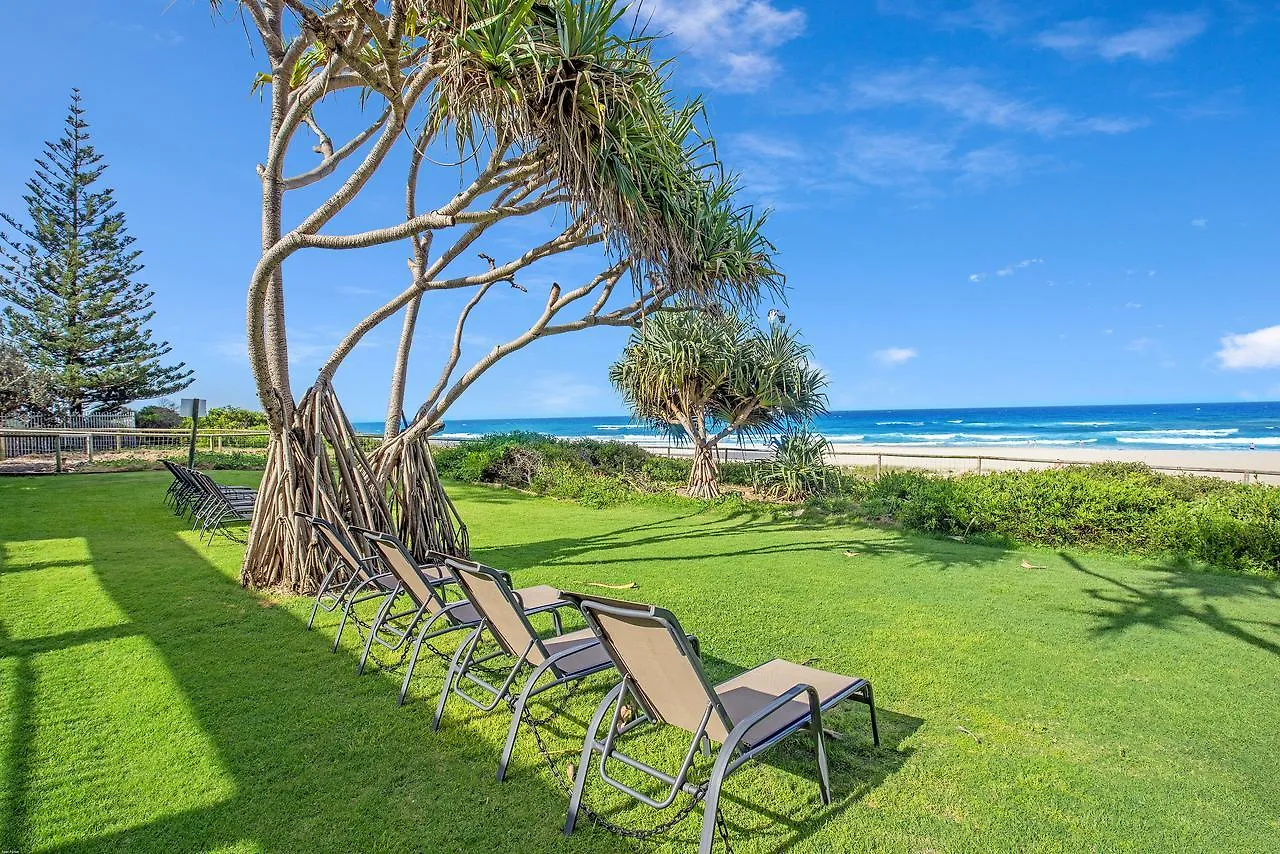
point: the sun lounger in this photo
(746, 715)
(430, 616)
(504, 615)
(352, 578)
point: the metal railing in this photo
(39, 450)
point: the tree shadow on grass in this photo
(1177, 593)
(857, 767)
(737, 537)
(317, 758)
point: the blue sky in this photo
(976, 203)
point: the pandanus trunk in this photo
(705, 474)
(318, 467)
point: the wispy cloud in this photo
(735, 41)
(1260, 349)
(893, 356)
(1007, 270)
(1154, 40)
(961, 92)
(919, 165)
(993, 17)
(161, 35)
(1200, 222)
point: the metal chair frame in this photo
(464, 659)
(734, 752)
(337, 591)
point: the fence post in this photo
(88, 446)
(979, 465)
(57, 454)
(4, 446)
(118, 436)
(879, 464)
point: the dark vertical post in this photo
(195, 421)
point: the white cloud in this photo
(1019, 265)
(960, 92)
(1154, 40)
(1008, 270)
(1260, 349)
(1200, 222)
(734, 39)
(1134, 306)
(993, 17)
(893, 356)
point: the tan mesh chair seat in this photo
(662, 673)
(742, 695)
(590, 655)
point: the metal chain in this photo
(626, 832)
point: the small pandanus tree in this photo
(705, 376)
(521, 109)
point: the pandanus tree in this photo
(707, 375)
(523, 109)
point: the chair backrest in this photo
(206, 485)
(497, 603)
(173, 470)
(648, 645)
(398, 561)
(338, 544)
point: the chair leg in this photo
(517, 714)
(712, 798)
(373, 630)
(820, 744)
(871, 704)
(451, 676)
(324, 585)
(413, 656)
(580, 780)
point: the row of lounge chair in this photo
(659, 665)
(210, 506)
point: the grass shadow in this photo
(1174, 595)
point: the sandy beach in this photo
(1225, 464)
(1228, 465)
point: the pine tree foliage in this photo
(74, 309)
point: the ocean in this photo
(1192, 426)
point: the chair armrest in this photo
(741, 727)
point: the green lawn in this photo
(1096, 704)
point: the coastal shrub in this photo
(613, 457)
(797, 469)
(916, 500)
(577, 483)
(667, 469)
(231, 418)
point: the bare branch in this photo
(331, 160)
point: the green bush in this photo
(798, 468)
(574, 482)
(154, 417)
(1115, 507)
(231, 418)
(669, 470)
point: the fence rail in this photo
(48, 447)
(25, 449)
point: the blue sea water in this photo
(1198, 426)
